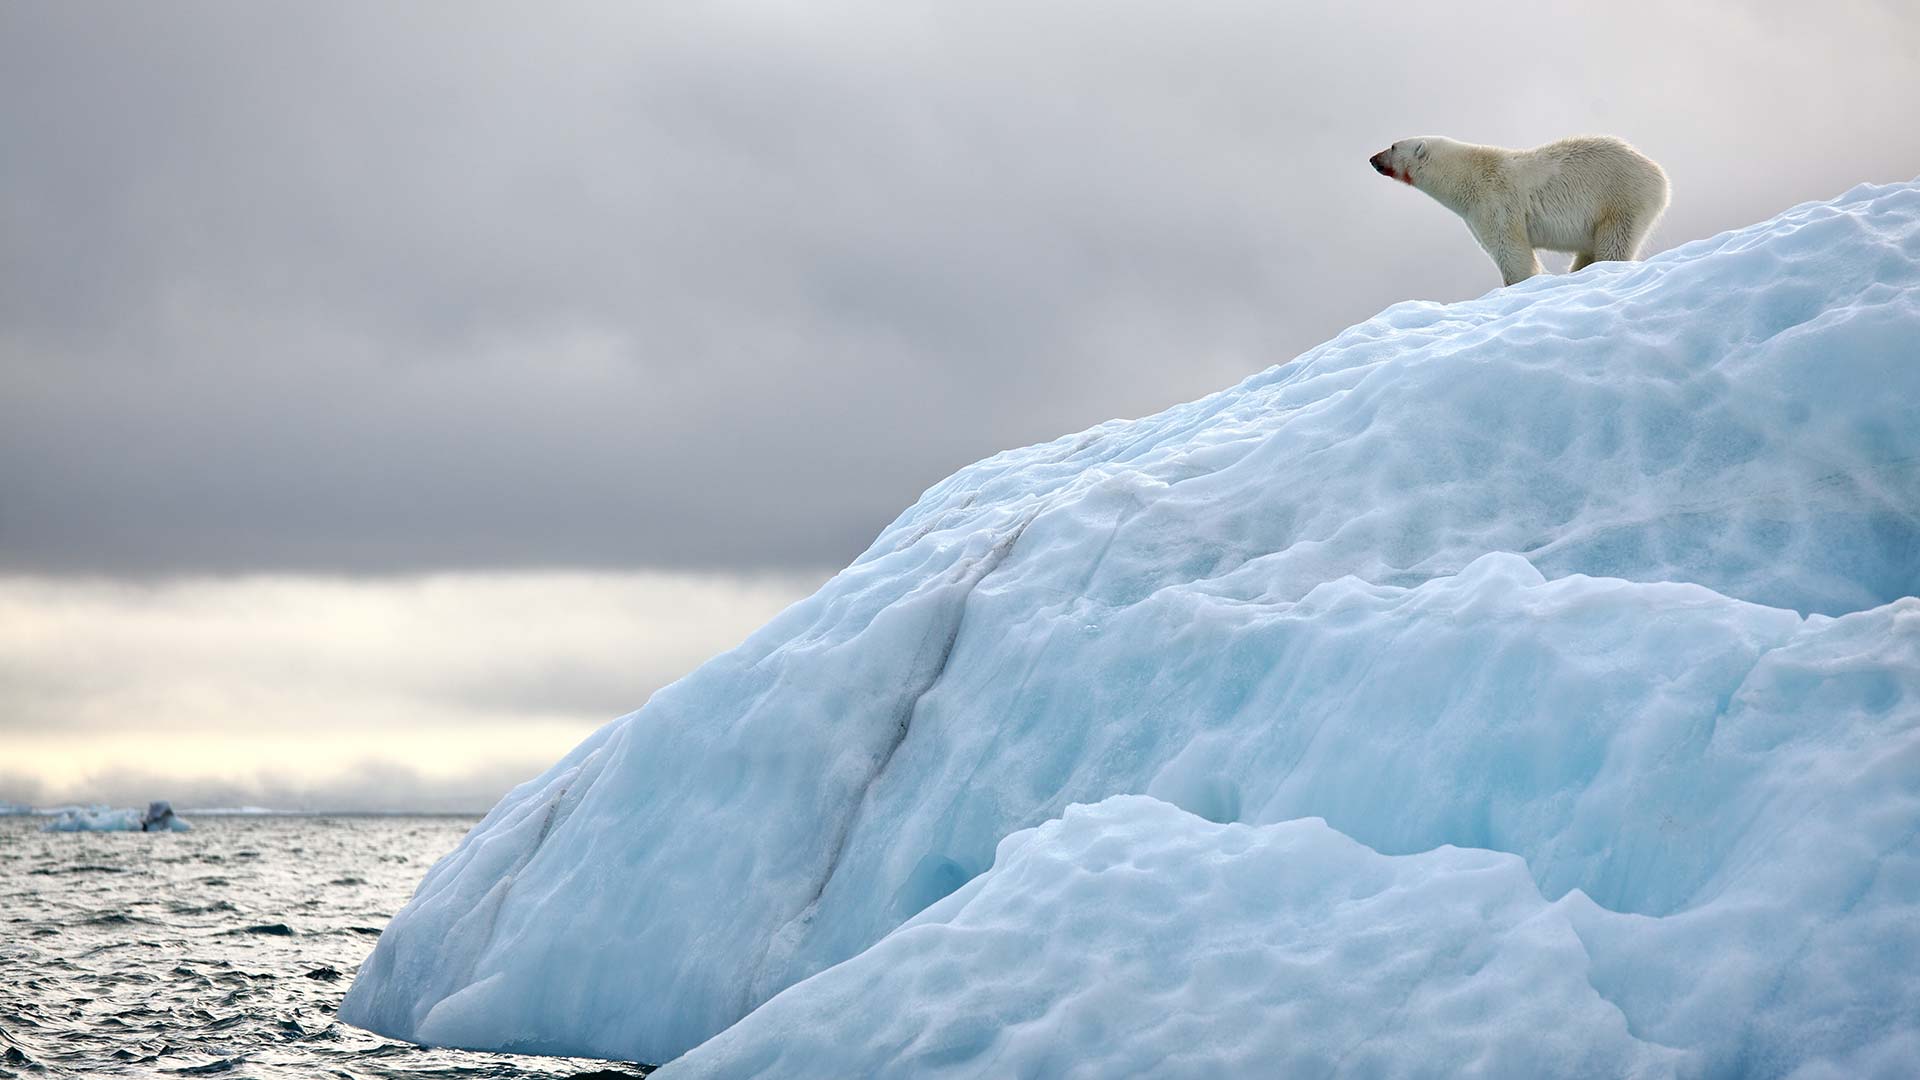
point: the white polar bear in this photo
(1592, 195)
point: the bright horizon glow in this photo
(324, 693)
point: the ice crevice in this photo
(971, 574)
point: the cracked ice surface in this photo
(1600, 576)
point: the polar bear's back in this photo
(1573, 184)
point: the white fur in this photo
(1592, 195)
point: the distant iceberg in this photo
(1526, 686)
(158, 817)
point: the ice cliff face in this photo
(1580, 616)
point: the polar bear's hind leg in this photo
(1615, 239)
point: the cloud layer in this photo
(389, 395)
(343, 288)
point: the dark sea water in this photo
(223, 951)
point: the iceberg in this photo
(1524, 686)
(158, 817)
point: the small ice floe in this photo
(159, 817)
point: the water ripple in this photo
(220, 952)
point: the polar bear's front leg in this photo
(1517, 263)
(1505, 238)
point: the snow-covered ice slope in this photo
(1732, 848)
(1609, 575)
(1132, 938)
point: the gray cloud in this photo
(362, 289)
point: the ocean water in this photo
(223, 951)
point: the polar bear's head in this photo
(1408, 158)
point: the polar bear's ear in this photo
(1420, 149)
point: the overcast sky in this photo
(434, 382)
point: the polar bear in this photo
(1592, 195)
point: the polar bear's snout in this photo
(1384, 164)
